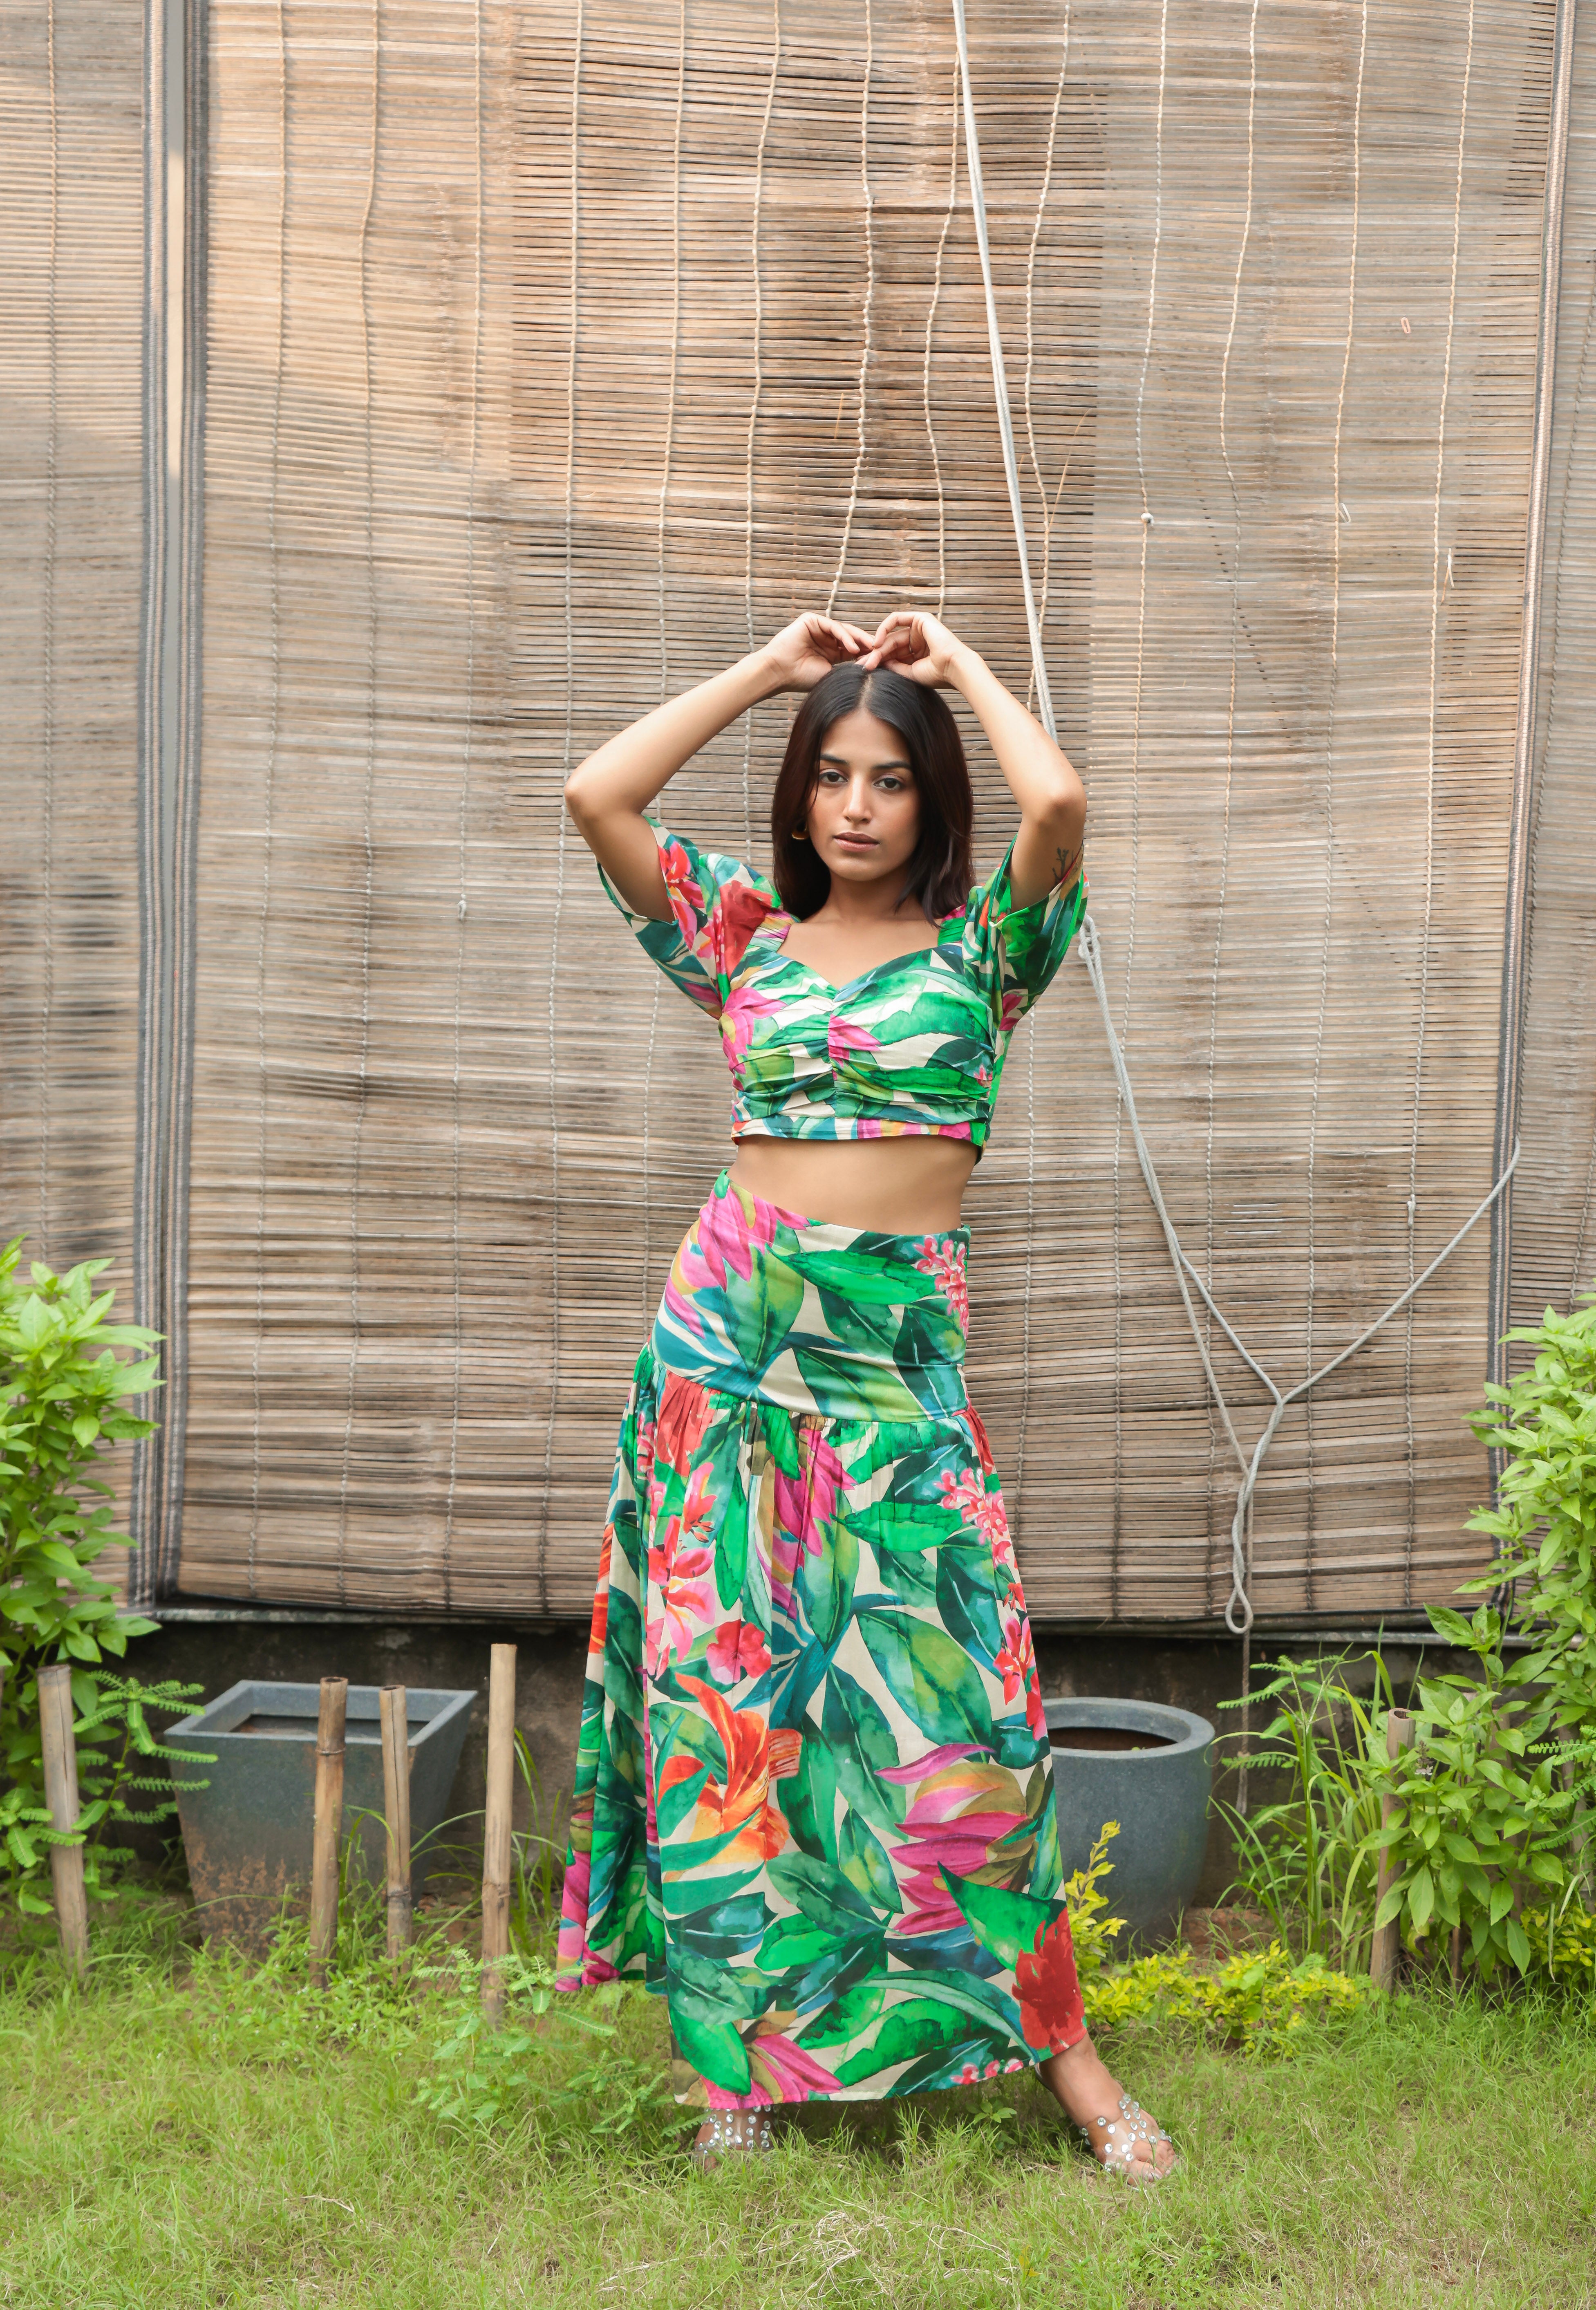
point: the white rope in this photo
(867, 344)
(1238, 1609)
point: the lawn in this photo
(182, 2135)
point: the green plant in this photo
(1092, 1931)
(1259, 2002)
(1482, 1808)
(483, 2073)
(1305, 1859)
(115, 1743)
(64, 1390)
(1544, 1522)
(1562, 1944)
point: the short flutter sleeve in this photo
(716, 905)
(1015, 951)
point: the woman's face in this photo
(864, 811)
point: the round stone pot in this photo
(1149, 1767)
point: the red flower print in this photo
(1049, 1993)
(967, 1494)
(738, 913)
(1009, 1659)
(735, 1650)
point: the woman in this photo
(814, 1791)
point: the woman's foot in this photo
(1122, 2137)
(727, 2132)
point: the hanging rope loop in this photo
(1239, 1607)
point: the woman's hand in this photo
(804, 653)
(913, 643)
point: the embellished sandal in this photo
(1113, 2142)
(727, 2132)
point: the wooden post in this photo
(61, 1795)
(329, 1822)
(395, 1801)
(1383, 1958)
(496, 1841)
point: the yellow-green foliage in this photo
(1564, 1945)
(1258, 2002)
(1092, 1930)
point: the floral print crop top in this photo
(913, 1047)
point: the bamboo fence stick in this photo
(329, 1821)
(395, 1797)
(496, 1843)
(61, 1795)
(1387, 1945)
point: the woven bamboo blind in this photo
(70, 303)
(556, 354)
(1554, 1237)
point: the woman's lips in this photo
(854, 841)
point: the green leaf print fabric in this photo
(814, 1795)
(914, 1045)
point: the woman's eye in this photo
(830, 778)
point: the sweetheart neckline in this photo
(837, 986)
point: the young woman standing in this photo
(814, 1790)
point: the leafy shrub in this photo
(115, 1741)
(64, 1391)
(1261, 2002)
(1544, 1522)
(1483, 1807)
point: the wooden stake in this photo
(496, 1842)
(61, 1795)
(395, 1801)
(329, 1822)
(1387, 1945)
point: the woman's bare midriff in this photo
(893, 1186)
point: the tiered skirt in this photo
(813, 1801)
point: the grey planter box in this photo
(248, 1834)
(1150, 1768)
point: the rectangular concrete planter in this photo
(248, 1833)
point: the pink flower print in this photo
(969, 2075)
(684, 891)
(744, 1006)
(992, 2069)
(687, 1591)
(1013, 1010)
(847, 1035)
(737, 1649)
(983, 1074)
(945, 1261)
(1009, 2066)
(962, 1810)
(969, 1494)
(778, 2071)
(805, 1507)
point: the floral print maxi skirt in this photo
(813, 1795)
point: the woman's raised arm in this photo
(1047, 848)
(608, 794)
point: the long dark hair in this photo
(939, 873)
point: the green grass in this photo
(182, 2135)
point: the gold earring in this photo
(799, 835)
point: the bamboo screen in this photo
(556, 353)
(1553, 1236)
(71, 314)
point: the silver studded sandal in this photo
(1112, 2142)
(731, 2132)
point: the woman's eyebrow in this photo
(895, 763)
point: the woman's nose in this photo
(858, 802)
